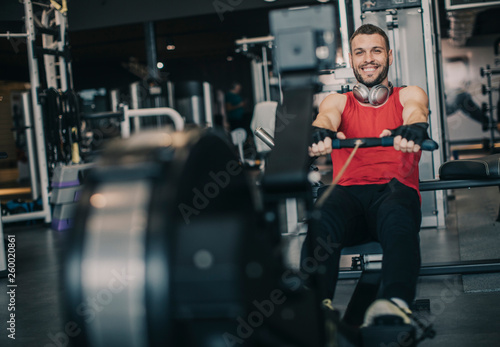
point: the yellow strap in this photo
(329, 190)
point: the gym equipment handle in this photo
(427, 145)
(265, 137)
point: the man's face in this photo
(369, 59)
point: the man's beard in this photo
(378, 80)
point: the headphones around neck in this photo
(375, 95)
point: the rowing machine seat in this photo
(477, 168)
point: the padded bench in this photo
(466, 173)
(478, 168)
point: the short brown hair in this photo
(370, 29)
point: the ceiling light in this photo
(159, 65)
(170, 47)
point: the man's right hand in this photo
(321, 141)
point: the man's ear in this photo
(350, 58)
(391, 58)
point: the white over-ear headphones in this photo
(375, 95)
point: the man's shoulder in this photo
(411, 90)
(335, 100)
(412, 93)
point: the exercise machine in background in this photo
(52, 30)
(415, 64)
(493, 124)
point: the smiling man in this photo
(377, 198)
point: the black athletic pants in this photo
(389, 213)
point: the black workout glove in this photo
(416, 132)
(320, 134)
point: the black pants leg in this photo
(342, 223)
(397, 218)
(388, 213)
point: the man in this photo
(377, 198)
(235, 107)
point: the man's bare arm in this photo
(329, 117)
(415, 110)
(415, 105)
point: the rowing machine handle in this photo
(427, 145)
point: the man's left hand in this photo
(408, 138)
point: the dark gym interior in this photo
(136, 212)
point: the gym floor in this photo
(464, 309)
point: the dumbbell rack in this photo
(488, 90)
(58, 75)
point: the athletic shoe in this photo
(384, 307)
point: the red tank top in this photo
(376, 165)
